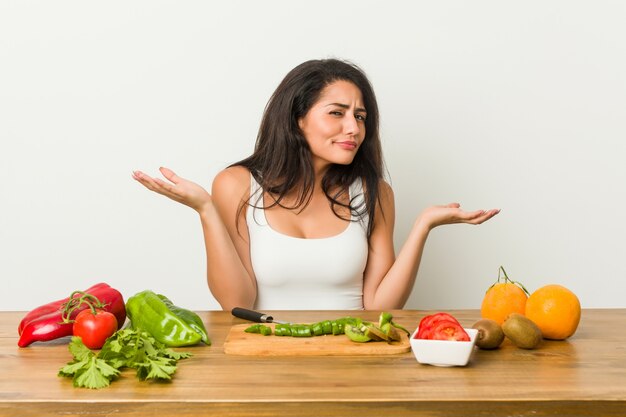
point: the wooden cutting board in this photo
(239, 342)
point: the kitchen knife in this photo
(255, 316)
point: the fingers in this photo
(482, 216)
(137, 175)
(179, 189)
(153, 184)
(164, 186)
(473, 217)
(170, 175)
(477, 214)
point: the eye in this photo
(336, 113)
(360, 117)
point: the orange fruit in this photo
(555, 310)
(503, 298)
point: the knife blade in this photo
(255, 316)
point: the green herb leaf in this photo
(170, 353)
(71, 368)
(96, 374)
(82, 356)
(106, 370)
(116, 359)
(79, 350)
(156, 368)
(149, 348)
(126, 348)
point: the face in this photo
(334, 127)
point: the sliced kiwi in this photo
(390, 330)
(490, 334)
(384, 318)
(375, 333)
(357, 333)
(522, 331)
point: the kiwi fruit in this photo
(390, 330)
(522, 331)
(357, 333)
(490, 334)
(375, 333)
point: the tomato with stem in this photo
(94, 326)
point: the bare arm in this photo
(388, 280)
(229, 274)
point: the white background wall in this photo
(516, 105)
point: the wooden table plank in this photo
(585, 375)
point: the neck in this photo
(319, 168)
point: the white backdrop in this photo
(516, 105)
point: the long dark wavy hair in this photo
(282, 163)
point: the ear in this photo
(301, 123)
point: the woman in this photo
(306, 222)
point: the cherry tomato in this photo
(449, 330)
(94, 329)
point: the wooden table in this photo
(583, 376)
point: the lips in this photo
(349, 145)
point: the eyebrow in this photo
(345, 106)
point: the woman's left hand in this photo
(452, 213)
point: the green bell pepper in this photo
(191, 318)
(147, 311)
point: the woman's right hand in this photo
(178, 189)
(452, 213)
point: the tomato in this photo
(427, 324)
(94, 329)
(449, 330)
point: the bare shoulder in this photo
(386, 205)
(232, 176)
(385, 194)
(384, 188)
(232, 181)
(385, 191)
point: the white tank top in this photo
(307, 274)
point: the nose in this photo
(351, 126)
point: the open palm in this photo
(452, 213)
(178, 189)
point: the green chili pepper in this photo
(259, 328)
(301, 330)
(327, 327)
(191, 318)
(255, 328)
(149, 312)
(282, 330)
(354, 321)
(317, 329)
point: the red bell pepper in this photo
(52, 321)
(50, 308)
